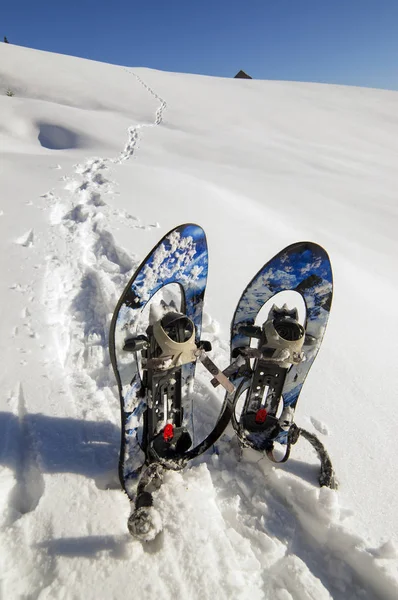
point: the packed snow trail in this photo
(235, 526)
(84, 282)
(85, 271)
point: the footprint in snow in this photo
(96, 200)
(30, 331)
(72, 185)
(91, 165)
(386, 551)
(99, 179)
(25, 313)
(19, 288)
(27, 239)
(147, 227)
(48, 196)
(320, 426)
(78, 214)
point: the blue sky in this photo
(333, 41)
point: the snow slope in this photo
(97, 162)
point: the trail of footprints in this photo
(81, 219)
(85, 273)
(90, 279)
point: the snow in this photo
(319, 426)
(97, 163)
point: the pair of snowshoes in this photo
(154, 348)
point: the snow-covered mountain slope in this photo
(97, 162)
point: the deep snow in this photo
(97, 162)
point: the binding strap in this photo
(293, 436)
(327, 476)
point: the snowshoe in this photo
(154, 358)
(269, 376)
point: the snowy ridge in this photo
(236, 526)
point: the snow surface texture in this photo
(258, 165)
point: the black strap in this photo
(271, 455)
(327, 476)
(293, 436)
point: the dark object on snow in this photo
(5, 40)
(242, 75)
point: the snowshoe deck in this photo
(266, 374)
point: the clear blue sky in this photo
(334, 41)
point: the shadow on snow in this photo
(61, 445)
